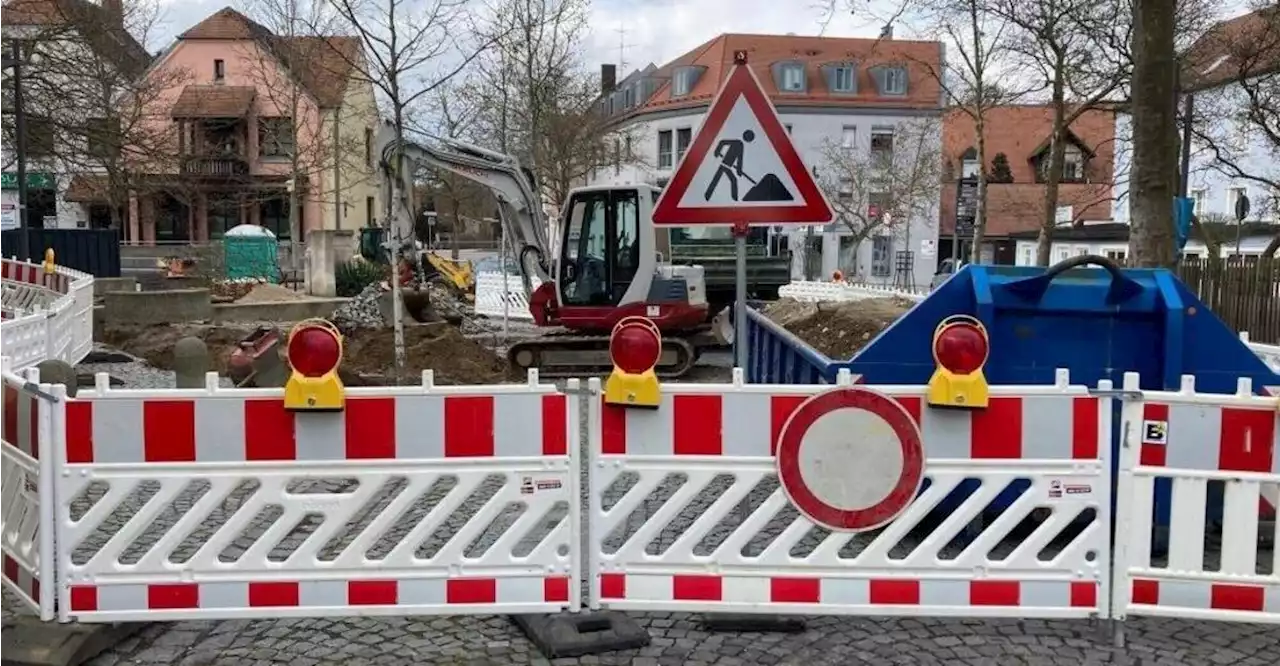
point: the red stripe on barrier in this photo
(372, 593)
(996, 432)
(1237, 597)
(1084, 428)
(795, 590)
(370, 428)
(171, 596)
(11, 569)
(555, 589)
(696, 588)
(781, 407)
(913, 407)
(555, 425)
(468, 426)
(613, 429)
(84, 598)
(269, 432)
(894, 592)
(995, 593)
(613, 586)
(1146, 592)
(697, 425)
(273, 594)
(1245, 442)
(10, 414)
(79, 417)
(169, 430)
(1153, 454)
(1084, 594)
(471, 591)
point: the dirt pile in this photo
(840, 329)
(439, 347)
(270, 293)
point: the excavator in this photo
(602, 268)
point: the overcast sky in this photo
(657, 30)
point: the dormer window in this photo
(789, 76)
(891, 80)
(683, 80)
(841, 77)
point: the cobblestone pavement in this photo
(680, 639)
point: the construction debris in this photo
(362, 311)
(837, 329)
(267, 292)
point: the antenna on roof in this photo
(887, 31)
(622, 48)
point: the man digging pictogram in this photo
(730, 153)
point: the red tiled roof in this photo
(1241, 47)
(920, 59)
(1014, 207)
(214, 102)
(105, 34)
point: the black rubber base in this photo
(29, 642)
(750, 623)
(574, 635)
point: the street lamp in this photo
(13, 61)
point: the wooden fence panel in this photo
(1243, 291)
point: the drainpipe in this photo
(337, 169)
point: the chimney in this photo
(608, 78)
(114, 9)
(887, 31)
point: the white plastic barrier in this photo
(219, 503)
(1203, 447)
(687, 513)
(61, 327)
(31, 417)
(1270, 354)
(806, 290)
(490, 293)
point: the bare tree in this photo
(1079, 50)
(883, 192)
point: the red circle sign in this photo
(850, 459)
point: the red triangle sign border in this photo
(742, 83)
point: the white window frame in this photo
(1233, 195)
(681, 85)
(670, 153)
(895, 81)
(848, 136)
(793, 78)
(1198, 197)
(842, 79)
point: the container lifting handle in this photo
(1122, 288)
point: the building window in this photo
(1026, 254)
(848, 136)
(684, 136)
(1072, 164)
(102, 137)
(881, 146)
(793, 78)
(894, 81)
(273, 214)
(370, 212)
(40, 133)
(842, 79)
(664, 149)
(1234, 195)
(1118, 256)
(275, 137)
(224, 213)
(846, 190)
(1198, 198)
(368, 146)
(969, 164)
(219, 70)
(684, 79)
(881, 251)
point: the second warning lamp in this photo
(314, 350)
(960, 350)
(635, 347)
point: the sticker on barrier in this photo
(27, 487)
(221, 503)
(687, 512)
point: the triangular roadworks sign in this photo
(742, 166)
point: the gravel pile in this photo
(360, 312)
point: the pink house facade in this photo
(224, 98)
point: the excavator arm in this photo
(518, 204)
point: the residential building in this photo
(77, 59)
(843, 101)
(1232, 155)
(249, 116)
(1015, 204)
(1111, 240)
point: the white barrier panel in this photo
(31, 417)
(686, 512)
(805, 290)
(412, 500)
(61, 327)
(1270, 354)
(1207, 448)
(490, 295)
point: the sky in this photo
(637, 32)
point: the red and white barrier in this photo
(1205, 445)
(46, 315)
(485, 473)
(702, 472)
(30, 417)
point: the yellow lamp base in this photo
(314, 394)
(630, 390)
(947, 389)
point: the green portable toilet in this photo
(251, 252)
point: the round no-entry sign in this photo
(850, 459)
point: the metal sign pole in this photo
(740, 231)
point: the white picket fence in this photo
(494, 288)
(46, 317)
(813, 291)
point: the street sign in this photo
(966, 206)
(1242, 207)
(850, 459)
(742, 167)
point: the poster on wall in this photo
(927, 248)
(8, 216)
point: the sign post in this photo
(741, 171)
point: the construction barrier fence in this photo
(507, 499)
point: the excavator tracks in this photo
(557, 356)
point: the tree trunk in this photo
(1153, 183)
(1057, 157)
(979, 124)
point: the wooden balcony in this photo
(215, 166)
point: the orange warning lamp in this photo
(635, 348)
(49, 266)
(960, 349)
(314, 351)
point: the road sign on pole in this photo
(741, 166)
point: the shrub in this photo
(353, 276)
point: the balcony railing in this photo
(215, 166)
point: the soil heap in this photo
(837, 329)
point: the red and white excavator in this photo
(603, 267)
